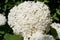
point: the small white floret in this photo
(2, 19)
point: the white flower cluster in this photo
(38, 36)
(2, 19)
(29, 17)
(57, 27)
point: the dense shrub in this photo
(6, 5)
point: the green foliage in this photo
(55, 17)
(46, 1)
(53, 32)
(12, 37)
(58, 11)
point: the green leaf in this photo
(58, 11)
(18, 2)
(6, 1)
(54, 33)
(12, 37)
(13, 0)
(55, 17)
(21, 0)
(1, 32)
(5, 7)
(46, 1)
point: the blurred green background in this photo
(6, 33)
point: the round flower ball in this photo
(39, 36)
(57, 27)
(29, 17)
(2, 19)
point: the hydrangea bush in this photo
(29, 17)
(29, 20)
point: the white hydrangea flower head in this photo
(57, 27)
(48, 37)
(39, 36)
(2, 19)
(29, 17)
